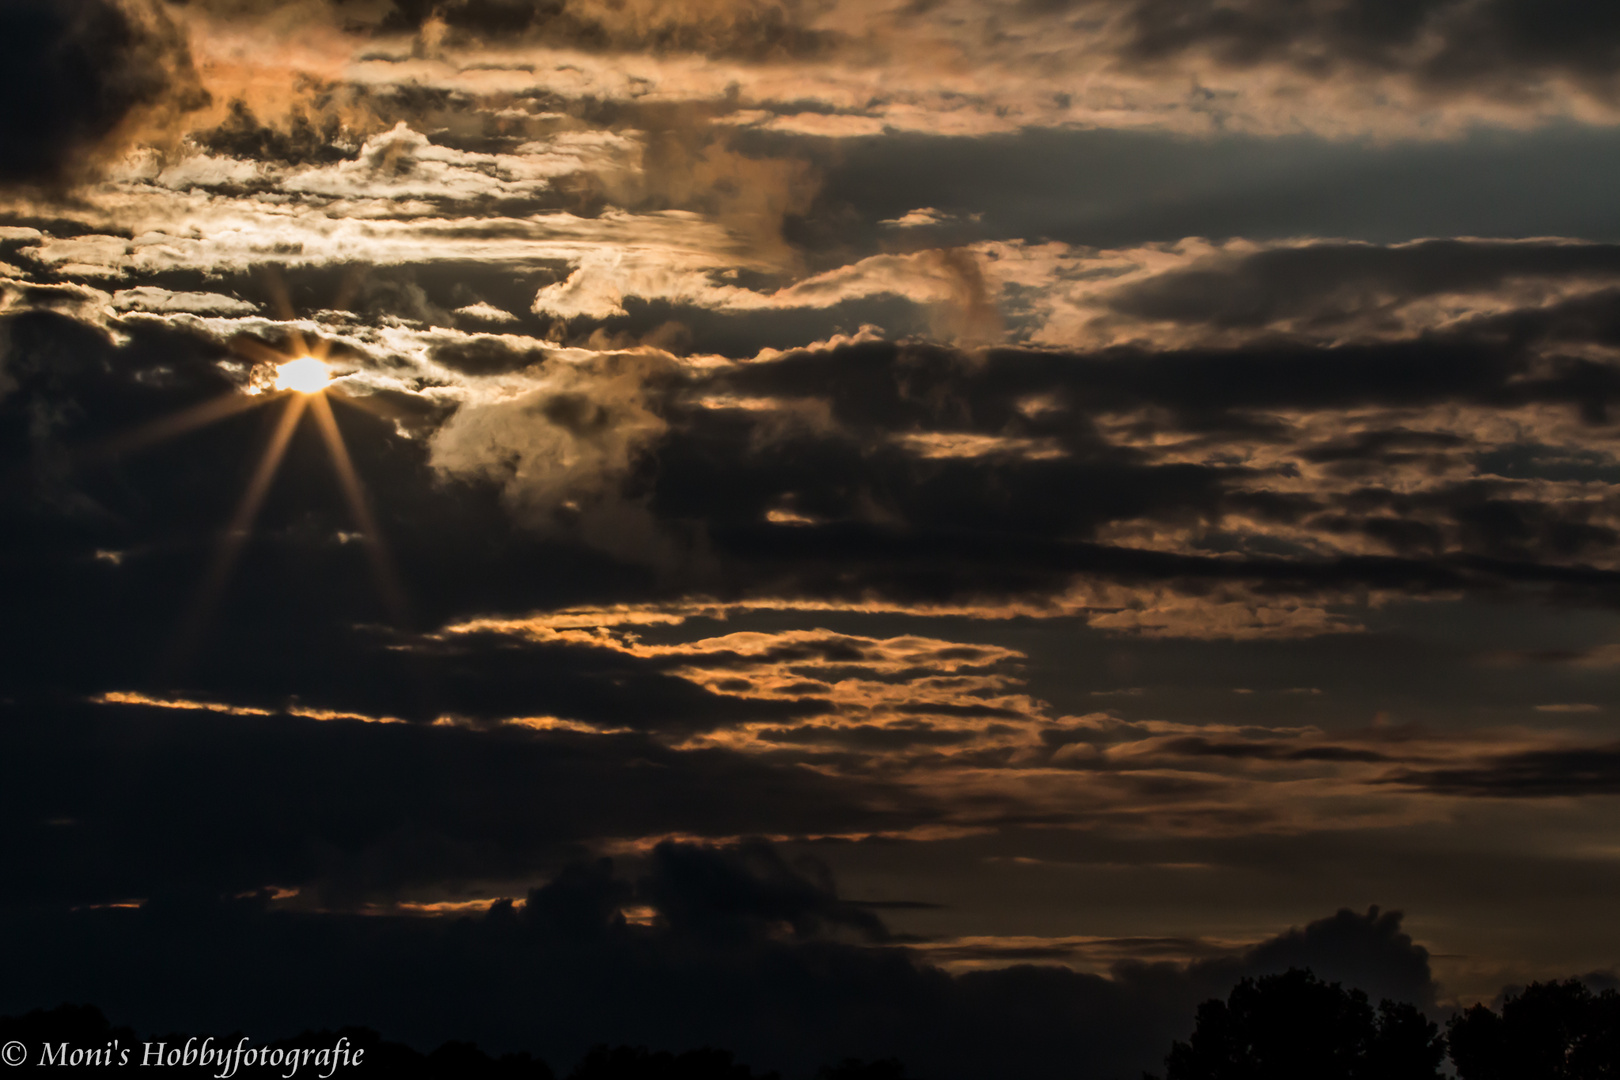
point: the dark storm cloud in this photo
(755, 30)
(106, 803)
(1442, 44)
(1539, 774)
(747, 893)
(1370, 951)
(491, 677)
(744, 334)
(73, 73)
(875, 391)
(1325, 284)
(869, 737)
(1114, 188)
(486, 356)
(1194, 746)
(1450, 44)
(242, 135)
(746, 951)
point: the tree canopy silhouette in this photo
(1550, 1031)
(1293, 1026)
(639, 1063)
(856, 1069)
(85, 1026)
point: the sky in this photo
(951, 529)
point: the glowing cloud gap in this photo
(382, 565)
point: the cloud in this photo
(961, 67)
(1268, 490)
(1537, 774)
(863, 71)
(1444, 45)
(1355, 290)
(563, 450)
(950, 281)
(153, 299)
(482, 312)
(80, 78)
(403, 164)
(1596, 657)
(1099, 954)
(396, 820)
(1369, 951)
(748, 29)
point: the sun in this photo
(303, 383)
(306, 375)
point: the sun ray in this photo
(168, 427)
(236, 532)
(281, 302)
(255, 349)
(347, 289)
(302, 377)
(349, 480)
(364, 404)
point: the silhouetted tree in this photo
(638, 1063)
(855, 1069)
(1549, 1031)
(1408, 1045)
(451, 1061)
(1295, 1027)
(75, 1025)
(84, 1027)
(80, 1025)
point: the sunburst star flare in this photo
(305, 375)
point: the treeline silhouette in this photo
(1293, 1026)
(1290, 1026)
(85, 1028)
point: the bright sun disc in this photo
(307, 376)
